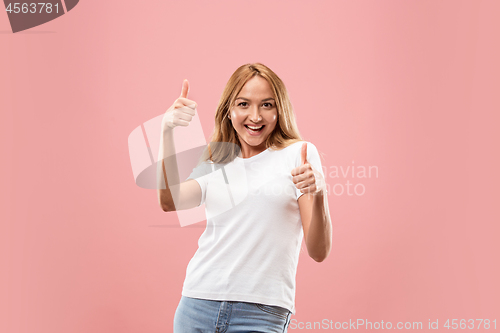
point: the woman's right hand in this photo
(181, 112)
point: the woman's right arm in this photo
(173, 196)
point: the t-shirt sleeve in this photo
(201, 174)
(312, 157)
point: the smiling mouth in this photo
(255, 129)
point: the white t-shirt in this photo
(250, 248)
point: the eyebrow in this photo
(246, 99)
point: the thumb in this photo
(185, 88)
(303, 153)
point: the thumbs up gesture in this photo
(181, 112)
(306, 178)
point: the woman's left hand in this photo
(306, 178)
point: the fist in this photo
(306, 178)
(181, 112)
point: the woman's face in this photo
(255, 107)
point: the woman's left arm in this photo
(314, 210)
(316, 224)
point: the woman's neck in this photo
(248, 151)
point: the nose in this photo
(255, 114)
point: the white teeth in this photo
(254, 128)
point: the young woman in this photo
(268, 196)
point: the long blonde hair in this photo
(284, 134)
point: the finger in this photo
(184, 116)
(187, 102)
(301, 177)
(180, 122)
(310, 189)
(296, 171)
(304, 184)
(184, 102)
(301, 169)
(185, 88)
(303, 153)
(186, 110)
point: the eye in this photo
(240, 104)
(269, 105)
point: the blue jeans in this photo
(195, 315)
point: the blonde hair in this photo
(284, 134)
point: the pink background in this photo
(408, 86)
